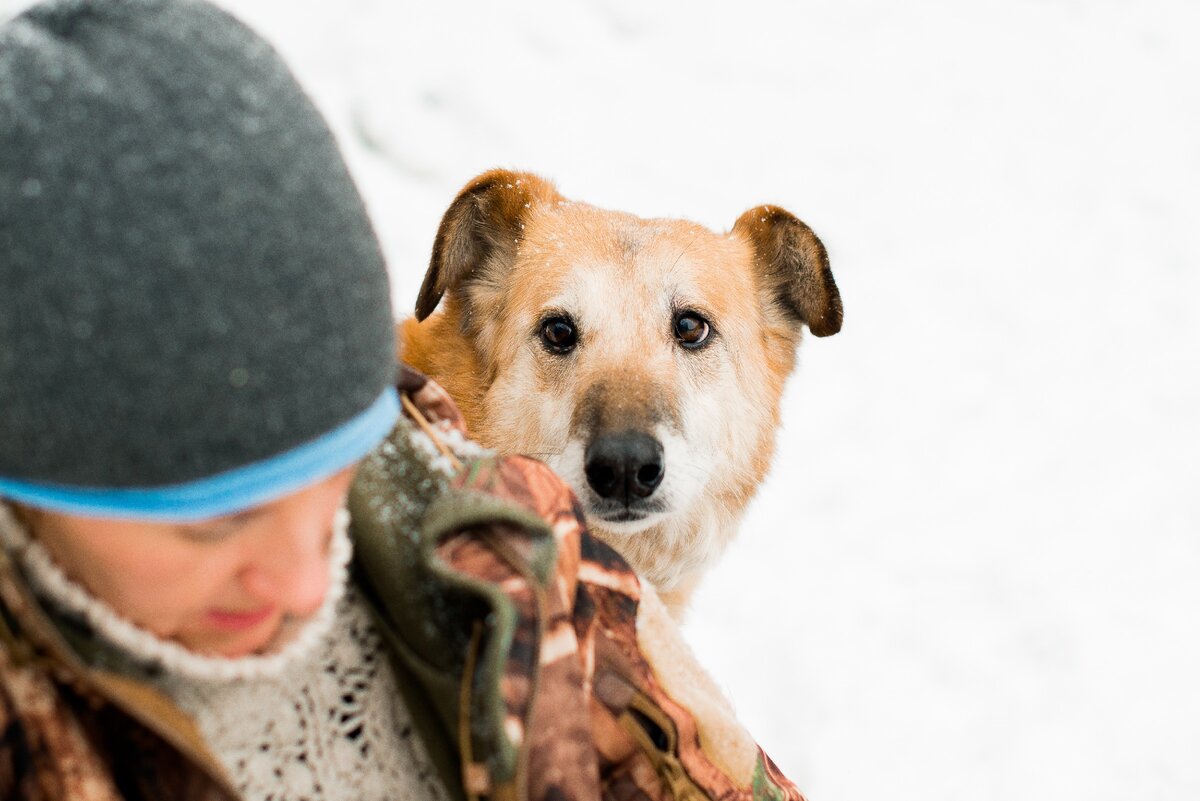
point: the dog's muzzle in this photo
(624, 468)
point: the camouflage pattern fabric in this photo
(553, 698)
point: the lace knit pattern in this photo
(332, 727)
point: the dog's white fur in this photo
(512, 253)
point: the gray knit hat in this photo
(194, 311)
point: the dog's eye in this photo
(558, 334)
(691, 330)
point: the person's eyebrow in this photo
(246, 515)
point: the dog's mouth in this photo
(626, 519)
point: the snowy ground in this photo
(975, 570)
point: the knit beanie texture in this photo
(189, 282)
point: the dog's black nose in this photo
(625, 466)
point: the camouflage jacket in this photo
(533, 662)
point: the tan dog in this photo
(642, 359)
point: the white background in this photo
(973, 573)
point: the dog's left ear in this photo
(794, 266)
(481, 229)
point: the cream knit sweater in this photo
(320, 719)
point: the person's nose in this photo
(291, 565)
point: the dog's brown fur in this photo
(510, 251)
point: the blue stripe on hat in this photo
(225, 493)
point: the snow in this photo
(973, 572)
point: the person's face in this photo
(219, 587)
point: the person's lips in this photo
(227, 620)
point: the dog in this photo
(643, 360)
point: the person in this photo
(230, 568)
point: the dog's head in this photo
(642, 359)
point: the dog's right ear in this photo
(481, 228)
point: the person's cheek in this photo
(169, 587)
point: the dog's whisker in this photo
(686, 248)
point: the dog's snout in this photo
(624, 467)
